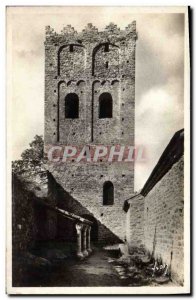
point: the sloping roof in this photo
(30, 187)
(127, 201)
(170, 156)
(63, 212)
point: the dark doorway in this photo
(72, 106)
(108, 193)
(105, 106)
(94, 227)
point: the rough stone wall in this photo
(71, 64)
(31, 221)
(23, 221)
(164, 219)
(135, 222)
(106, 130)
(89, 71)
(72, 129)
(106, 64)
(23, 228)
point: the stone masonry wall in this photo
(135, 222)
(30, 220)
(23, 220)
(71, 64)
(164, 219)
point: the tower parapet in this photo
(111, 31)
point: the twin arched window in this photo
(72, 106)
(108, 193)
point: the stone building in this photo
(155, 216)
(90, 100)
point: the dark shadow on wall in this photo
(64, 200)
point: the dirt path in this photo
(93, 271)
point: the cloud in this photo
(159, 87)
(158, 116)
(159, 52)
(28, 101)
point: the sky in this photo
(159, 99)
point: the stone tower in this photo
(90, 100)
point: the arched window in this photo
(106, 47)
(105, 106)
(71, 106)
(108, 193)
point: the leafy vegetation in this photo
(32, 158)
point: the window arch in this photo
(105, 106)
(108, 193)
(72, 106)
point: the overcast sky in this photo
(159, 73)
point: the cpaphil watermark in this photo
(95, 153)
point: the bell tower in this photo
(90, 100)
